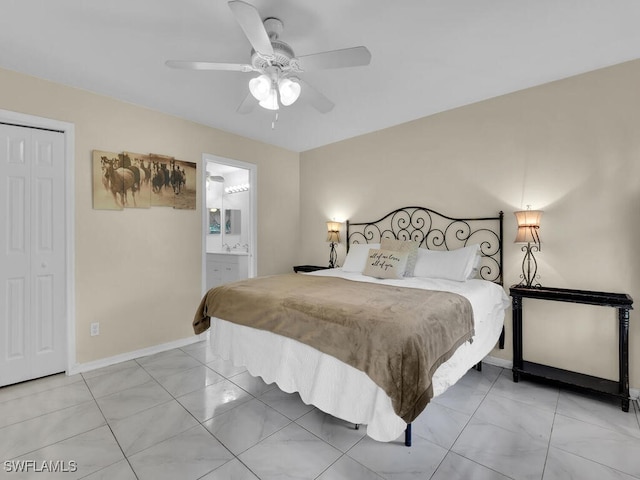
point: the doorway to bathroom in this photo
(229, 221)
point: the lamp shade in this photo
(270, 102)
(260, 87)
(527, 235)
(289, 91)
(528, 226)
(333, 232)
(333, 237)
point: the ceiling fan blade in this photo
(348, 57)
(231, 67)
(315, 98)
(247, 105)
(249, 20)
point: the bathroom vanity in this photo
(226, 267)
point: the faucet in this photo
(237, 245)
(226, 247)
(246, 247)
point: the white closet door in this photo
(32, 254)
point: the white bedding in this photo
(341, 390)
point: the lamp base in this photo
(333, 255)
(529, 273)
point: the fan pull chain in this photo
(275, 119)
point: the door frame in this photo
(68, 130)
(253, 221)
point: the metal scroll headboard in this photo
(437, 232)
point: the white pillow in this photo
(460, 264)
(357, 256)
(475, 270)
(385, 263)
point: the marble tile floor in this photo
(187, 414)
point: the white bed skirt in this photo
(341, 390)
(331, 385)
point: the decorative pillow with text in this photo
(385, 263)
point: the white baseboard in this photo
(498, 362)
(124, 357)
(634, 393)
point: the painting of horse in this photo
(140, 165)
(132, 180)
(103, 198)
(121, 181)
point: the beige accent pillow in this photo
(408, 246)
(385, 263)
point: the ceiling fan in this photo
(278, 82)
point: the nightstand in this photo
(620, 301)
(308, 268)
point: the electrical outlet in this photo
(95, 329)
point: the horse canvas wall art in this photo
(134, 180)
(103, 196)
(140, 165)
(173, 182)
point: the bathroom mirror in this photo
(214, 221)
(232, 221)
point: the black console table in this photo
(620, 301)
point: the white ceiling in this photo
(428, 56)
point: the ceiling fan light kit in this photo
(260, 87)
(278, 67)
(263, 88)
(271, 101)
(289, 91)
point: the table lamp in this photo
(333, 236)
(528, 232)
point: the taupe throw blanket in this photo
(397, 336)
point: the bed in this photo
(344, 384)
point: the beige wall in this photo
(138, 271)
(570, 148)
